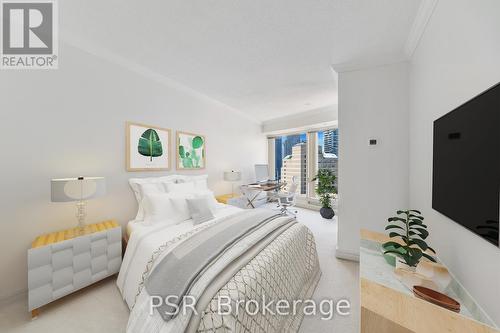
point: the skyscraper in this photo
(290, 141)
(331, 142)
(295, 165)
(278, 156)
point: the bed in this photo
(236, 255)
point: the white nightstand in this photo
(63, 262)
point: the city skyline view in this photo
(291, 156)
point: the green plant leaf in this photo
(393, 226)
(423, 233)
(415, 253)
(399, 254)
(418, 223)
(420, 243)
(392, 219)
(197, 142)
(431, 258)
(396, 245)
(394, 234)
(415, 211)
(416, 217)
(431, 249)
(149, 144)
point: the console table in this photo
(389, 306)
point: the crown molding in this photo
(424, 13)
(422, 18)
(132, 66)
(358, 66)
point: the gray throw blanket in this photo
(177, 272)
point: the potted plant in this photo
(325, 189)
(410, 228)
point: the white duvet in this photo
(143, 241)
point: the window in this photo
(290, 161)
(328, 151)
(298, 157)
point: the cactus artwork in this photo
(190, 151)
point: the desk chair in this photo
(286, 199)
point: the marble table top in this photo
(373, 267)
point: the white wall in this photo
(373, 180)
(457, 58)
(71, 122)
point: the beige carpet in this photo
(99, 307)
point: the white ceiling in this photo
(267, 58)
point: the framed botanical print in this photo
(191, 151)
(148, 148)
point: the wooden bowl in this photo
(437, 298)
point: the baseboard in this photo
(346, 255)
(308, 206)
(20, 294)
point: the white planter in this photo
(401, 265)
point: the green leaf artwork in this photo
(191, 151)
(150, 144)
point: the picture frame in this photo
(147, 147)
(189, 144)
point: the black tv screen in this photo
(466, 164)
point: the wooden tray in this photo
(437, 298)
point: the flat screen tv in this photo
(466, 164)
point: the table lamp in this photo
(232, 176)
(77, 190)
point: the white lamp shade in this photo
(77, 189)
(232, 176)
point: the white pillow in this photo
(151, 188)
(199, 209)
(136, 182)
(201, 184)
(180, 188)
(209, 195)
(200, 181)
(147, 189)
(165, 208)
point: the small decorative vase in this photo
(402, 265)
(327, 213)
